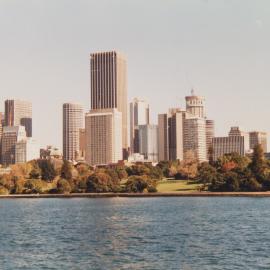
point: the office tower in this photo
(148, 136)
(175, 133)
(26, 150)
(163, 141)
(236, 142)
(103, 136)
(195, 105)
(258, 137)
(19, 112)
(210, 134)
(228, 145)
(72, 123)
(236, 131)
(139, 115)
(1, 132)
(11, 135)
(195, 138)
(109, 87)
(82, 143)
(1, 124)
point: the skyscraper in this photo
(195, 105)
(72, 123)
(176, 133)
(26, 150)
(2, 122)
(103, 136)
(139, 115)
(195, 138)
(109, 86)
(148, 136)
(19, 112)
(258, 137)
(163, 141)
(11, 135)
(210, 134)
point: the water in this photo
(135, 233)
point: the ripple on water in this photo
(135, 233)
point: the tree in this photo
(231, 161)
(136, 184)
(101, 182)
(231, 182)
(63, 186)
(48, 172)
(66, 170)
(35, 172)
(206, 173)
(258, 164)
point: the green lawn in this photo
(177, 186)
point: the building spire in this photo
(192, 92)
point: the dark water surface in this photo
(135, 233)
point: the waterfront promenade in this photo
(138, 195)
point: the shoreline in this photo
(137, 195)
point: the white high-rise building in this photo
(139, 115)
(195, 138)
(148, 136)
(103, 131)
(26, 150)
(72, 123)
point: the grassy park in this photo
(170, 185)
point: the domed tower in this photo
(195, 105)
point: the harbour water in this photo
(135, 233)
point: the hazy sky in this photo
(221, 48)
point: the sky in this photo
(220, 48)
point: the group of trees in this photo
(55, 176)
(233, 172)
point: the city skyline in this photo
(51, 67)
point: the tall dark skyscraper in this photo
(19, 113)
(109, 86)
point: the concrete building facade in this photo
(176, 133)
(228, 145)
(258, 137)
(195, 105)
(109, 87)
(139, 115)
(195, 138)
(148, 136)
(103, 136)
(163, 141)
(26, 150)
(19, 112)
(11, 135)
(210, 134)
(72, 123)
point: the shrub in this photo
(3, 191)
(63, 186)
